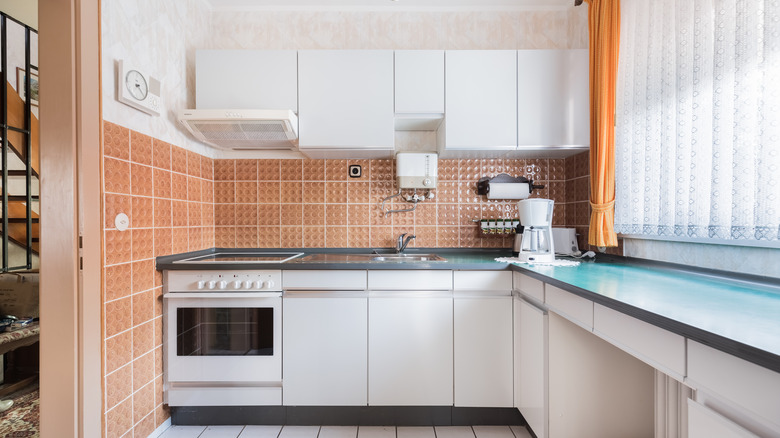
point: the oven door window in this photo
(224, 331)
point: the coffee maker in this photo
(536, 240)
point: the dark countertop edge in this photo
(168, 262)
(743, 351)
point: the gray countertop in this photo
(737, 314)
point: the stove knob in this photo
(248, 284)
(223, 284)
(201, 284)
(269, 284)
(237, 284)
(258, 284)
(212, 284)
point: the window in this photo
(698, 120)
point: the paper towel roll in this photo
(508, 191)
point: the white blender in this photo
(536, 239)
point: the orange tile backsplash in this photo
(180, 201)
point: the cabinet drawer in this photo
(324, 280)
(659, 348)
(482, 280)
(706, 423)
(753, 387)
(410, 280)
(577, 309)
(529, 286)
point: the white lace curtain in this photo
(698, 119)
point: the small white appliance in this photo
(222, 338)
(416, 170)
(565, 241)
(537, 240)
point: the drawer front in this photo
(570, 306)
(324, 280)
(482, 280)
(706, 423)
(529, 286)
(753, 387)
(659, 348)
(410, 280)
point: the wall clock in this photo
(138, 89)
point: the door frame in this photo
(71, 372)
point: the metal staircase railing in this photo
(9, 106)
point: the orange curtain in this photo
(604, 37)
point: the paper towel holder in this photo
(483, 184)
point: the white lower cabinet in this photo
(410, 349)
(706, 423)
(325, 348)
(530, 349)
(483, 349)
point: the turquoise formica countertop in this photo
(738, 315)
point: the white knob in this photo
(222, 284)
(212, 284)
(269, 284)
(258, 284)
(248, 284)
(426, 182)
(201, 284)
(237, 284)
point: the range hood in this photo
(243, 129)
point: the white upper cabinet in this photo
(541, 95)
(480, 101)
(346, 103)
(246, 79)
(578, 104)
(552, 90)
(419, 89)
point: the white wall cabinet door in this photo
(531, 395)
(480, 100)
(246, 79)
(410, 349)
(325, 350)
(541, 97)
(419, 81)
(346, 100)
(483, 351)
(553, 98)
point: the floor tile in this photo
(454, 432)
(493, 432)
(415, 432)
(338, 432)
(520, 432)
(221, 432)
(376, 432)
(183, 432)
(261, 432)
(299, 432)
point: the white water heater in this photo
(415, 170)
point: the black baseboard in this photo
(345, 416)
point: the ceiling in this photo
(385, 4)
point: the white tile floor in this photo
(345, 432)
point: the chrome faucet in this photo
(401, 246)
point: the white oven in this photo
(222, 338)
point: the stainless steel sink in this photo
(408, 258)
(363, 258)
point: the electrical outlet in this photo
(355, 171)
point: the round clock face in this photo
(136, 84)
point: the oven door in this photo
(223, 338)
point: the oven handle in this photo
(242, 295)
